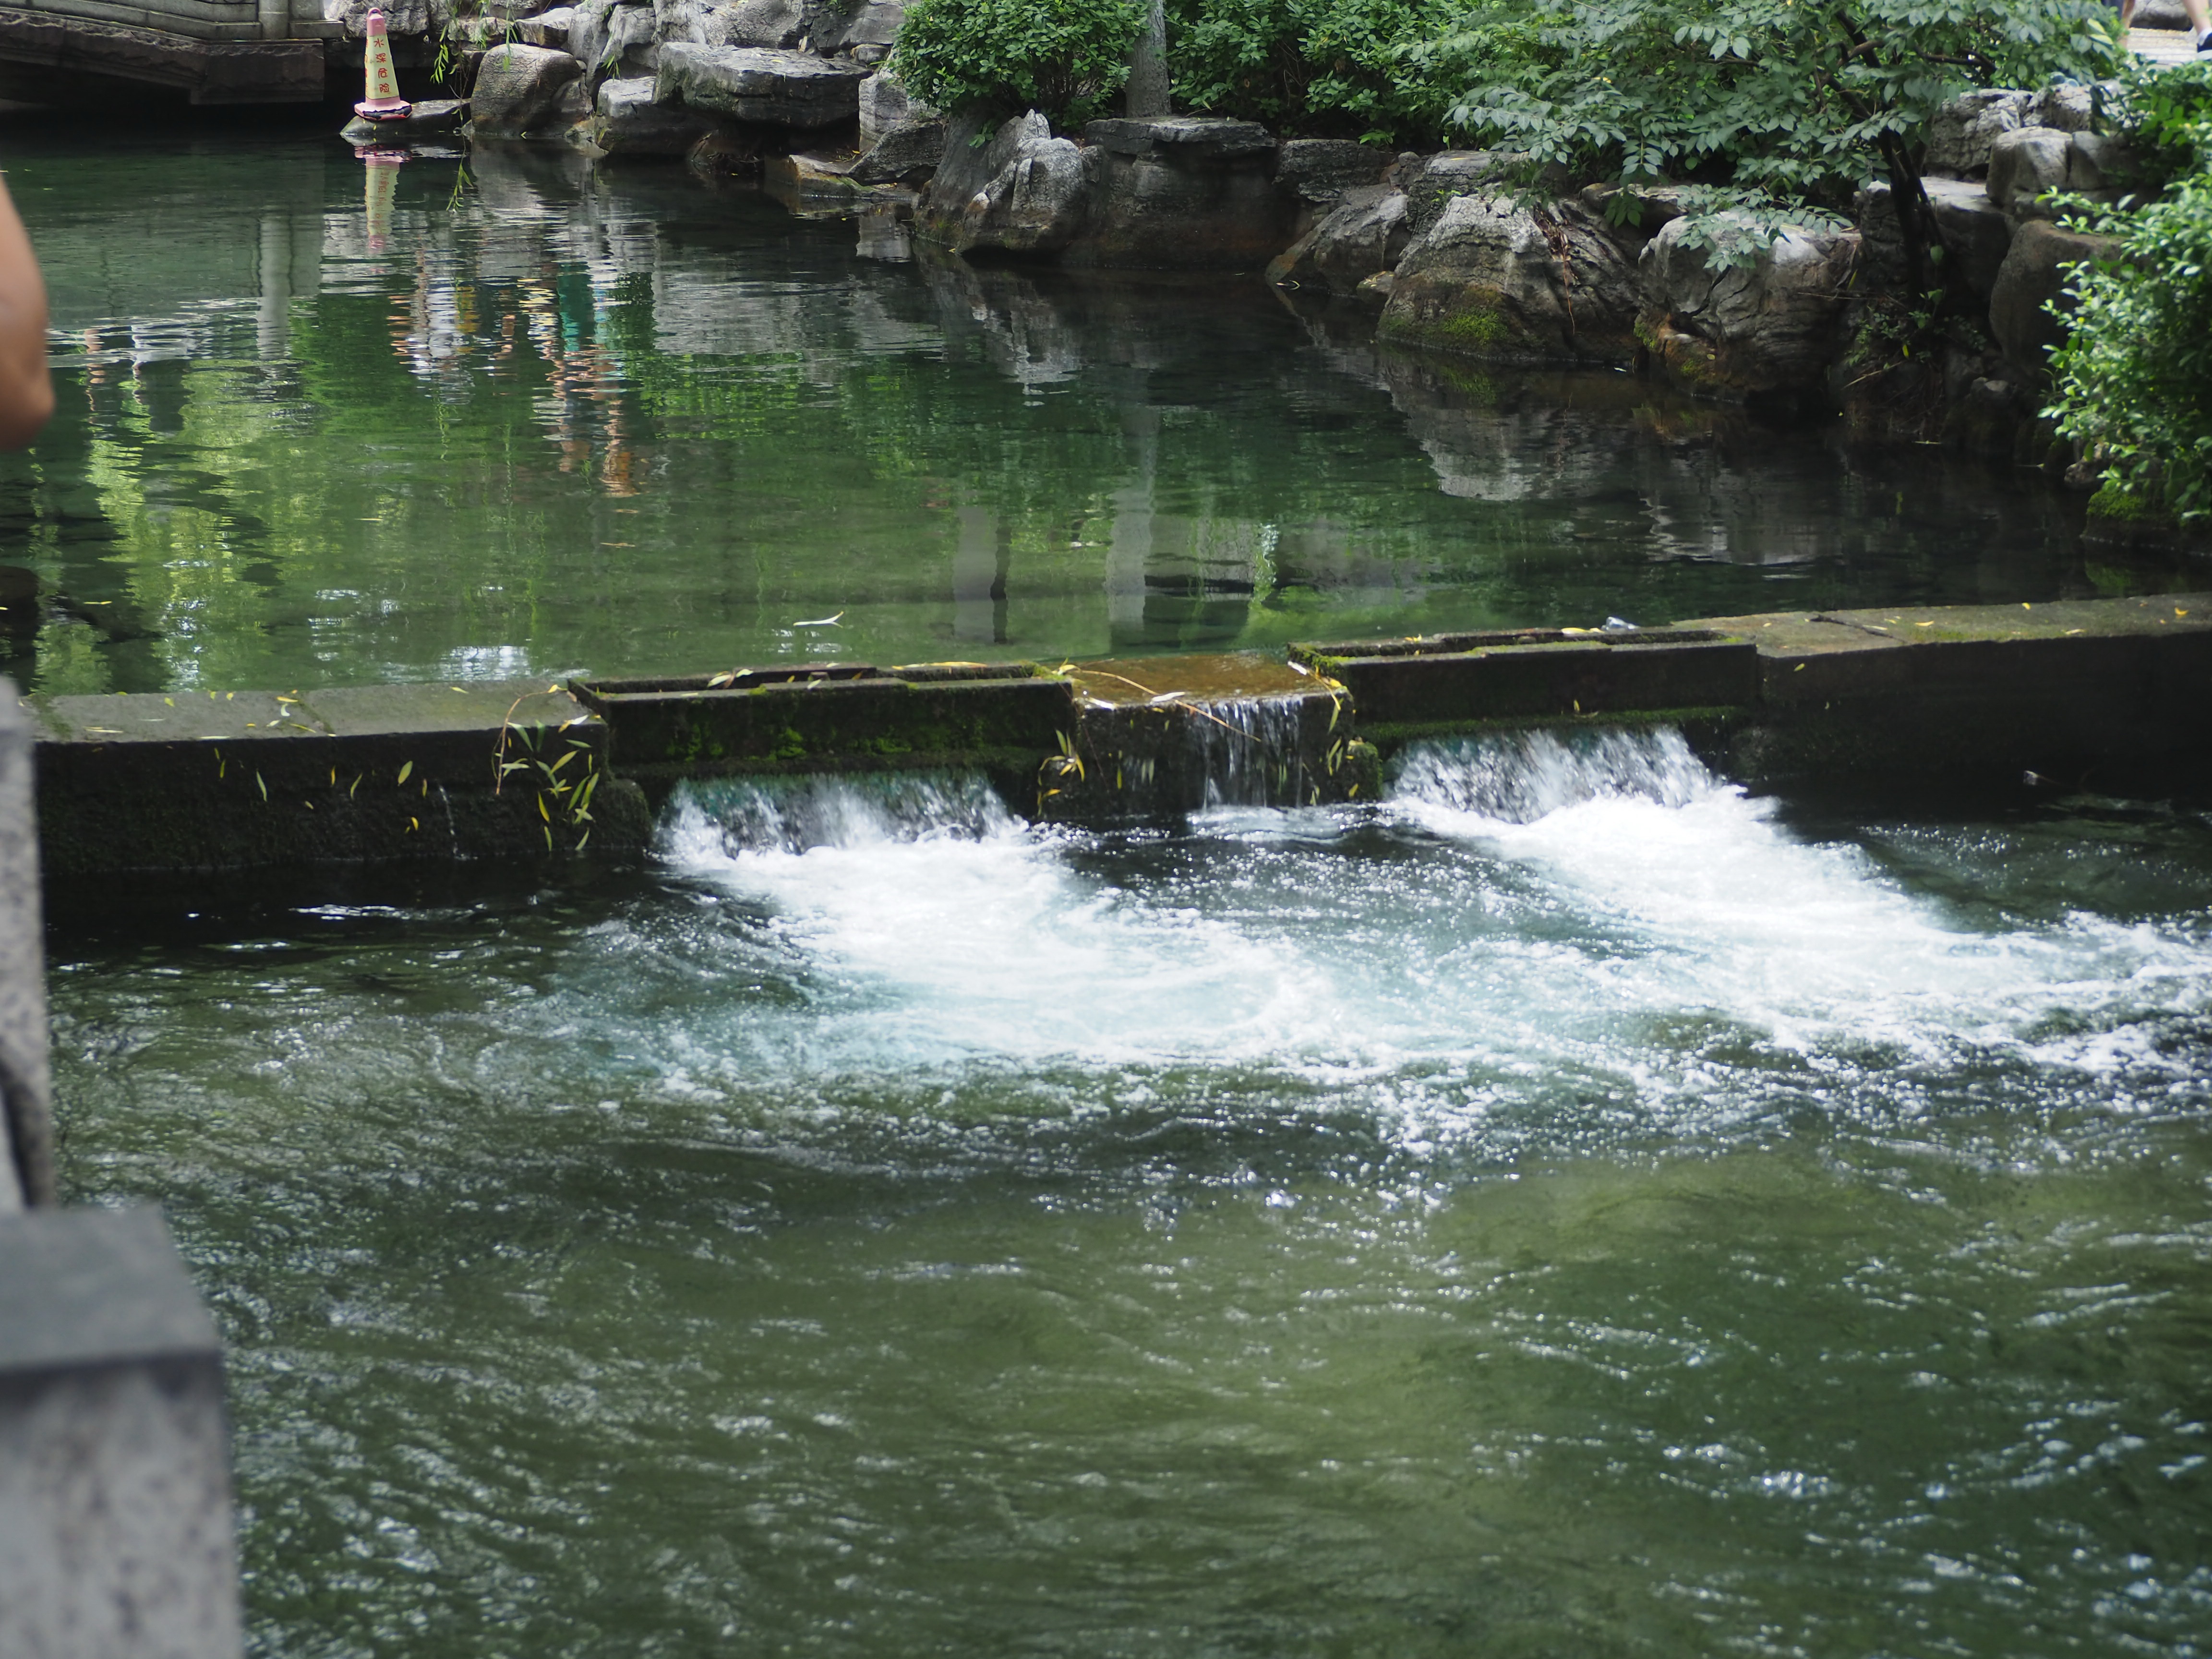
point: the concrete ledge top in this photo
(95, 1287)
(1822, 633)
(357, 711)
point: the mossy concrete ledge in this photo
(209, 782)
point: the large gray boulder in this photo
(2031, 164)
(1320, 170)
(908, 154)
(2041, 261)
(1974, 229)
(519, 89)
(1512, 284)
(1763, 331)
(1448, 174)
(1364, 235)
(611, 39)
(1026, 193)
(886, 106)
(1184, 192)
(549, 28)
(630, 123)
(780, 24)
(758, 84)
(1959, 135)
(865, 33)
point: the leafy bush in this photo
(2135, 375)
(997, 58)
(1337, 69)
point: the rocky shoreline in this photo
(1439, 250)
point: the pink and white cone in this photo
(384, 102)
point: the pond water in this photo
(1568, 1207)
(526, 417)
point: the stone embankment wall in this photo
(1439, 248)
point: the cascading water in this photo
(792, 814)
(1247, 750)
(1527, 776)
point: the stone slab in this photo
(115, 1527)
(759, 84)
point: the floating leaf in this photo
(264, 788)
(406, 769)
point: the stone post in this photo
(115, 1536)
(24, 1091)
(275, 18)
(1146, 93)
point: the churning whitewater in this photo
(1532, 921)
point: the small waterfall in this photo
(1521, 776)
(731, 816)
(1246, 752)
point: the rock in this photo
(630, 123)
(1767, 330)
(1959, 137)
(1183, 192)
(2033, 163)
(778, 24)
(611, 40)
(2161, 14)
(433, 115)
(2073, 108)
(967, 166)
(808, 184)
(1366, 233)
(1974, 230)
(865, 33)
(518, 90)
(1516, 284)
(885, 105)
(907, 153)
(1450, 173)
(757, 84)
(1038, 198)
(2035, 274)
(1319, 170)
(548, 29)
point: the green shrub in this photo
(2134, 379)
(1337, 69)
(997, 58)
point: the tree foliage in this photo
(1779, 103)
(1344, 69)
(2134, 379)
(997, 58)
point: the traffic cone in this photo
(384, 102)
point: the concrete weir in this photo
(2091, 693)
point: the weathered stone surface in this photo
(1038, 202)
(1320, 170)
(780, 24)
(630, 123)
(1766, 330)
(2031, 163)
(1973, 229)
(518, 89)
(1448, 174)
(885, 105)
(114, 1453)
(1516, 284)
(865, 32)
(1364, 235)
(750, 83)
(611, 40)
(1183, 192)
(27, 1140)
(967, 166)
(907, 153)
(1959, 137)
(1188, 137)
(2035, 274)
(2073, 108)
(549, 28)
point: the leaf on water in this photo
(406, 767)
(357, 777)
(722, 680)
(264, 787)
(542, 812)
(821, 621)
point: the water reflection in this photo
(522, 409)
